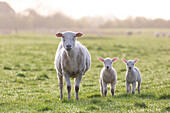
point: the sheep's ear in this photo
(114, 59)
(136, 60)
(101, 59)
(59, 34)
(79, 34)
(124, 60)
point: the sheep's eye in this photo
(74, 37)
(63, 39)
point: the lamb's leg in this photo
(60, 78)
(104, 88)
(101, 87)
(77, 83)
(67, 79)
(133, 89)
(128, 87)
(139, 85)
(112, 88)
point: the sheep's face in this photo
(108, 62)
(68, 39)
(130, 64)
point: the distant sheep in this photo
(168, 35)
(138, 32)
(163, 34)
(108, 75)
(129, 33)
(72, 60)
(156, 34)
(132, 76)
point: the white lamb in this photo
(108, 75)
(132, 76)
(72, 60)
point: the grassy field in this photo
(28, 81)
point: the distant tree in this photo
(7, 16)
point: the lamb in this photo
(132, 76)
(72, 60)
(108, 75)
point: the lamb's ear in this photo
(136, 60)
(124, 60)
(79, 34)
(101, 59)
(114, 59)
(59, 34)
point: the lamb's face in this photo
(130, 65)
(108, 62)
(68, 39)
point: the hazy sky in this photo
(80, 8)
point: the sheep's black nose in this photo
(130, 68)
(68, 46)
(107, 67)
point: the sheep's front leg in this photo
(139, 85)
(104, 88)
(101, 87)
(112, 88)
(128, 87)
(133, 89)
(60, 77)
(77, 83)
(67, 79)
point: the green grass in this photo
(29, 82)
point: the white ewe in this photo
(72, 60)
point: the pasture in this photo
(29, 83)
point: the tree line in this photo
(32, 20)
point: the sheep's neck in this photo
(131, 72)
(72, 57)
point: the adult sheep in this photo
(72, 60)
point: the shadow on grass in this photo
(95, 101)
(125, 95)
(147, 96)
(20, 75)
(67, 101)
(7, 68)
(94, 96)
(45, 108)
(164, 96)
(140, 104)
(167, 109)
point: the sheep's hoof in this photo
(76, 98)
(61, 98)
(69, 98)
(133, 93)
